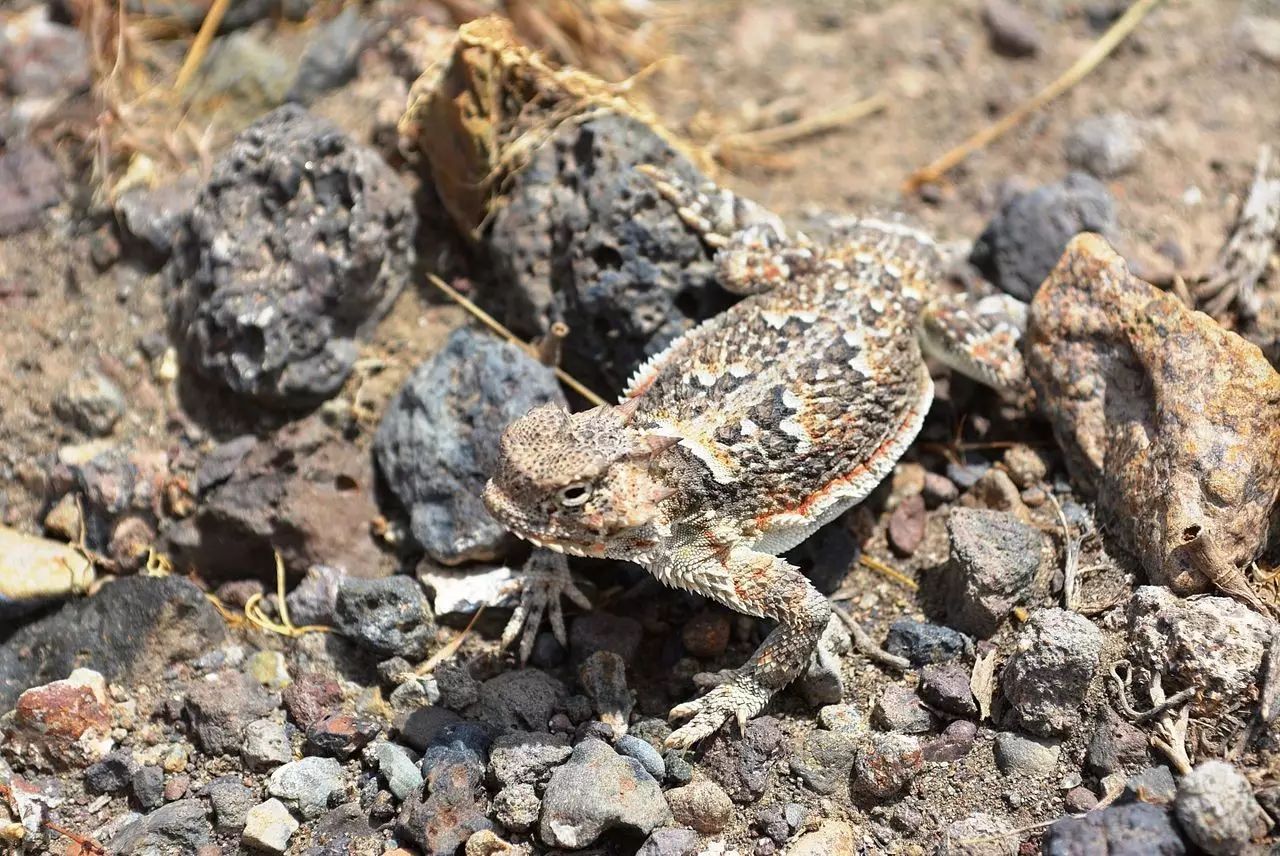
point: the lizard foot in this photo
(545, 580)
(740, 697)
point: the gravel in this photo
(923, 643)
(1029, 756)
(524, 757)
(266, 745)
(979, 834)
(702, 805)
(268, 827)
(1104, 146)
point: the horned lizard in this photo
(744, 436)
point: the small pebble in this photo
(1012, 31)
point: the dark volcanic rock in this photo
(922, 643)
(1024, 241)
(438, 441)
(180, 827)
(584, 238)
(133, 627)
(742, 765)
(1136, 829)
(994, 557)
(387, 616)
(296, 246)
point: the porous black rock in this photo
(584, 238)
(296, 246)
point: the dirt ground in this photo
(1205, 106)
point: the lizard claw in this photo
(739, 697)
(544, 581)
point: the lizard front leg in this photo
(756, 584)
(544, 581)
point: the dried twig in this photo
(1100, 50)
(1070, 559)
(449, 649)
(200, 45)
(285, 626)
(1203, 554)
(874, 564)
(868, 646)
(1243, 259)
(1269, 686)
(777, 135)
(494, 325)
(982, 681)
(87, 845)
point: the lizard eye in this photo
(575, 494)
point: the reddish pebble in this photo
(707, 634)
(906, 525)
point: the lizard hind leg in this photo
(756, 584)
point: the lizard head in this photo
(584, 483)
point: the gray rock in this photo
(421, 727)
(1153, 785)
(1029, 756)
(1217, 810)
(29, 183)
(246, 73)
(458, 689)
(304, 786)
(1046, 679)
(397, 767)
(438, 441)
(842, 717)
(1135, 829)
(702, 805)
(112, 774)
(669, 842)
(91, 402)
(341, 735)
(823, 682)
(152, 219)
(332, 56)
(266, 745)
(523, 757)
(147, 785)
(899, 709)
(885, 766)
(312, 601)
(1011, 30)
(946, 688)
(598, 790)
(180, 827)
(40, 58)
(231, 802)
(742, 765)
(642, 751)
(1115, 745)
(1026, 238)
(1215, 644)
(516, 807)
(271, 298)
(994, 557)
(520, 700)
(268, 827)
(1104, 146)
(219, 708)
(979, 834)
(923, 643)
(584, 238)
(344, 831)
(679, 770)
(386, 616)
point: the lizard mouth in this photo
(587, 549)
